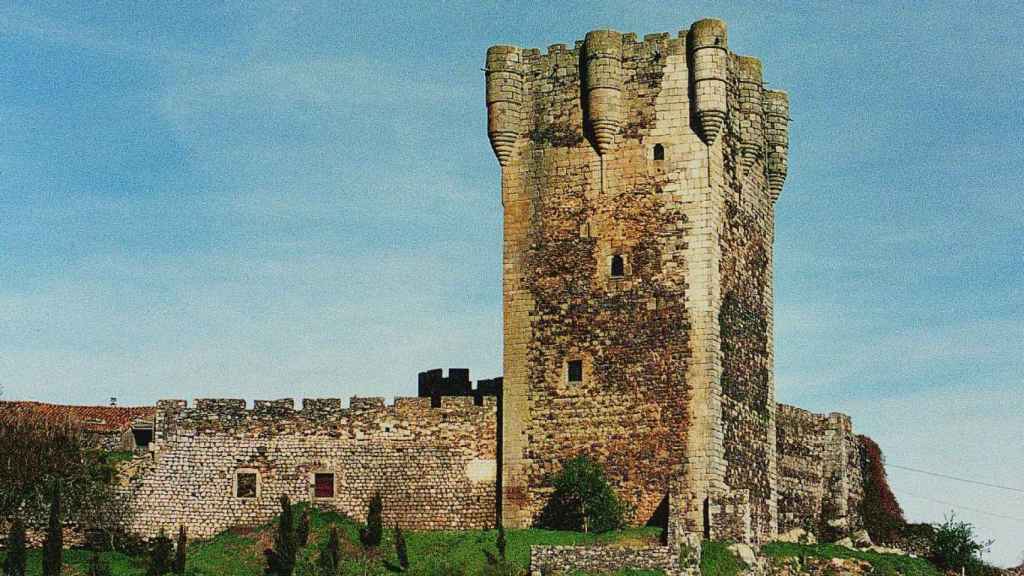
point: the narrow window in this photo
(323, 485)
(245, 485)
(575, 370)
(618, 266)
(659, 152)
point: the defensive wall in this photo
(217, 464)
(820, 472)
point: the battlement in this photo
(228, 413)
(435, 385)
(610, 76)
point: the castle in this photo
(639, 180)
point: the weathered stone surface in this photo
(607, 559)
(434, 467)
(653, 152)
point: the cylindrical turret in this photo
(709, 52)
(602, 53)
(504, 99)
(776, 112)
(751, 90)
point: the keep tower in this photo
(639, 179)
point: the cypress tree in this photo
(302, 532)
(502, 543)
(14, 565)
(281, 558)
(330, 555)
(53, 546)
(371, 534)
(400, 549)
(181, 550)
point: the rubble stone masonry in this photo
(434, 467)
(653, 152)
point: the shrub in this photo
(955, 546)
(14, 564)
(281, 558)
(883, 517)
(371, 534)
(329, 561)
(181, 551)
(160, 550)
(98, 566)
(582, 500)
(53, 546)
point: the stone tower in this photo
(638, 184)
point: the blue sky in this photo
(268, 199)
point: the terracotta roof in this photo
(91, 418)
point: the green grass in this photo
(240, 552)
(717, 560)
(884, 564)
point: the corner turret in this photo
(709, 52)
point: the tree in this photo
(281, 558)
(329, 561)
(302, 532)
(582, 499)
(38, 451)
(53, 545)
(181, 550)
(14, 564)
(160, 550)
(400, 549)
(371, 534)
(501, 543)
(956, 546)
(98, 566)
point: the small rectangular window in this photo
(323, 485)
(245, 485)
(575, 370)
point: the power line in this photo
(961, 506)
(948, 477)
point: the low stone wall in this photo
(820, 477)
(435, 468)
(606, 559)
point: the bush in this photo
(98, 566)
(582, 500)
(14, 564)
(181, 551)
(955, 547)
(371, 534)
(53, 545)
(281, 558)
(160, 550)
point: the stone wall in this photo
(434, 467)
(607, 560)
(745, 314)
(820, 482)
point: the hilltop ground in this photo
(240, 553)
